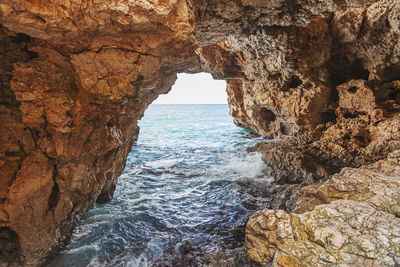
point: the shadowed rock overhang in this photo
(76, 76)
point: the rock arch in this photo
(76, 77)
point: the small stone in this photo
(395, 209)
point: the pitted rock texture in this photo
(330, 235)
(377, 184)
(364, 131)
(77, 75)
(295, 76)
(74, 84)
(63, 149)
(359, 227)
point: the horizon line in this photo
(189, 104)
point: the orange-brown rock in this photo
(73, 89)
(77, 76)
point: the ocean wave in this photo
(250, 166)
(187, 190)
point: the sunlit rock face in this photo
(323, 76)
(350, 220)
(76, 77)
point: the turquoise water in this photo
(188, 189)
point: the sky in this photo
(198, 88)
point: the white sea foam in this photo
(154, 250)
(154, 209)
(92, 246)
(164, 163)
(140, 261)
(250, 166)
(95, 262)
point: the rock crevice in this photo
(350, 220)
(321, 77)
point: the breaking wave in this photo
(188, 189)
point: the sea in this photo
(187, 191)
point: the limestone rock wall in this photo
(75, 79)
(63, 146)
(297, 72)
(326, 90)
(350, 220)
(77, 75)
(351, 119)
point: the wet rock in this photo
(293, 164)
(284, 196)
(233, 258)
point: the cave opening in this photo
(199, 88)
(76, 78)
(187, 189)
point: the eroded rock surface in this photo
(74, 85)
(296, 75)
(322, 76)
(351, 219)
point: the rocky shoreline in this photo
(322, 78)
(351, 219)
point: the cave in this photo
(76, 79)
(182, 134)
